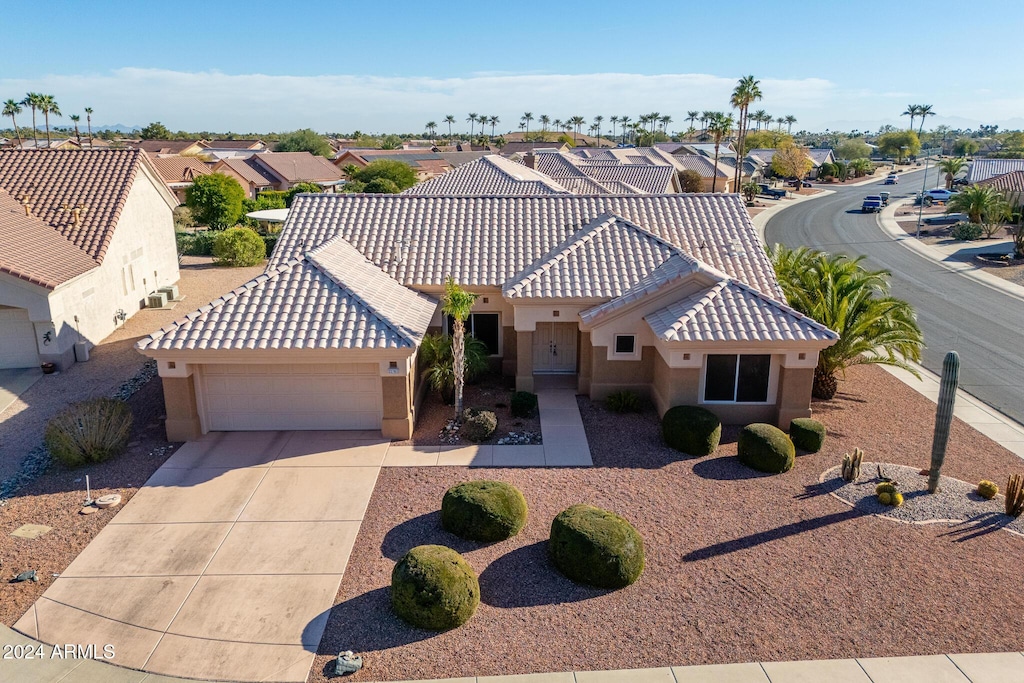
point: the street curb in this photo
(761, 219)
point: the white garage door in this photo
(17, 339)
(265, 397)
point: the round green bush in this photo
(523, 404)
(239, 247)
(692, 430)
(766, 448)
(483, 510)
(89, 431)
(433, 587)
(478, 425)
(807, 434)
(596, 547)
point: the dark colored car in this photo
(792, 183)
(945, 219)
(872, 204)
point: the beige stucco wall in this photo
(673, 386)
(524, 361)
(182, 410)
(609, 376)
(794, 395)
(397, 421)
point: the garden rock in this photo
(348, 663)
(29, 575)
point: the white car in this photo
(940, 194)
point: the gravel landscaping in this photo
(741, 566)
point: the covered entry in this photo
(555, 348)
(290, 396)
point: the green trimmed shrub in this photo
(89, 431)
(478, 425)
(434, 588)
(691, 429)
(239, 247)
(968, 232)
(596, 547)
(271, 242)
(807, 434)
(483, 510)
(766, 448)
(624, 401)
(523, 404)
(196, 243)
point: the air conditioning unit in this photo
(81, 351)
(171, 291)
(156, 300)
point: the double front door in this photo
(554, 348)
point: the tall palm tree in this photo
(12, 109)
(790, 120)
(494, 121)
(75, 118)
(924, 111)
(545, 121)
(912, 111)
(839, 293)
(614, 120)
(527, 117)
(88, 122)
(32, 101)
(758, 117)
(951, 167)
(472, 120)
(780, 120)
(691, 116)
(624, 122)
(597, 121)
(747, 90)
(719, 126)
(48, 105)
(981, 203)
(665, 120)
(705, 118)
(577, 123)
(457, 303)
(449, 119)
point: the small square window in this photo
(625, 343)
(171, 365)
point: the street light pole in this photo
(924, 184)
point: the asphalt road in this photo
(984, 325)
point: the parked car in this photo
(771, 191)
(892, 179)
(939, 194)
(871, 204)
(885, 198)
(960, 182)
(946, 219)
(792, 182)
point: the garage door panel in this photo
(303, 397)
(17, 339)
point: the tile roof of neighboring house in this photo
(32, 250)
(489, 240)
(708, 149)
(329, 298)
(165, 146)
(257, 176)
(489, 175)
(671, 147)
(511, 148)
(296, 167)
(232, 144)
(642, 178)
(1008, 182)
(457, 159)
(763, 155)
(983, 169)
(57, 181)
(731, 311)
(701, 164)
(602, 260)
(180, 169)
(819, 155)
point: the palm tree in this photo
(705, 118)
(75, 118)
(790, 120)
(912, 111)
(577, 123)
(665, 120)
(449, 119)
(88, 121)
(597, 122)
(719, 126)
(981, 203)
(747, 90)
(527, 117)
(12, 109)
(951, 167)
(472, 120)
(614, 120)
(924, 111)
(624, 120)
(458, 303)
(545, 120)
(691, 116)
(48, 105)
(780, 120)
(32, 101)
(758, 117)
(494, 121)
(839, 293)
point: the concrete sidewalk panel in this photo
(932, 668)
(721, 673)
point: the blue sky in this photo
(259, 66)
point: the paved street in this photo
(983, 324)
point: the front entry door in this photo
(554, 348)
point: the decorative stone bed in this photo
(956, 503)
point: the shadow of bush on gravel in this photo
(502, 583)
(423, 530)
(363, 624)
(727, 468)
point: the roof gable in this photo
(296, 167)
(983, 169)
(489, 175)
(1007, 182)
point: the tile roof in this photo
(983, 169)
(329, 298)
(511, 148)
(643, 177)
(819, 155)
(256, 176)
(457, 159)
(57, 181)
(296, 167)
(489, 240)
(1008, 182)
(33, 251)
(489, 175)
(731, 311)
(180, 169)
(232, 144)
(677, 267)
(763, 155)
(602, 260)
(165, 146)
(701, 164)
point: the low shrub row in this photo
(204, 244)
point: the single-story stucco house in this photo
(85, 235)
(671, 296)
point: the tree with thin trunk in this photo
(705, 119)
(472, 121)
(48, 106)
(494, 121)
(691, 116)
(12, 109)
(951, 167)
(790, 120)
(758, 117)
(577, 126)
(911, 111)
(747, 90)
(545, 121)
(719, 125)
(665, 120)
(458, 303)
(597, 122)
(615, 121)
(88, 122)
(790, 161)
(526, 118)
(780, 121)
(75, 118)
(32, 101)
(924, 111)
(624, 122)
(449, 119)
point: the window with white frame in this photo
(484, 326)
(732, 378)
(625, 344)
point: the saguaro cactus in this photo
(851, 465)
(943, 417)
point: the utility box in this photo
(81, 351)
(156, 300)
(171, 291)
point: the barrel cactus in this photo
(943, 417)
(987, 489)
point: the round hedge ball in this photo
(807, 434)
(483, 510)
(691, 429)
(596, 547)
(766, 448)
(434, 588)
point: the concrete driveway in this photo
(226, 564)
(13, 382)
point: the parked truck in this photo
(771, 192)
(871, 204)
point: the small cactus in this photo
(885, 487)
(943, 417)
(1015, 495)
(987, 489)
(851, 465)
(892, 498)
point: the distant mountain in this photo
(118, 128)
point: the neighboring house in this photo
(180, 172)
(279, 171)
(618, 176)
(511, 149)
(670, 296)
(169, 148)
(426, 164)
(1011, 185)
(817, 157)
(41, 143)
(983, 169)
(85, 235)
(490, 175)
(231, 149)
(719, 177)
